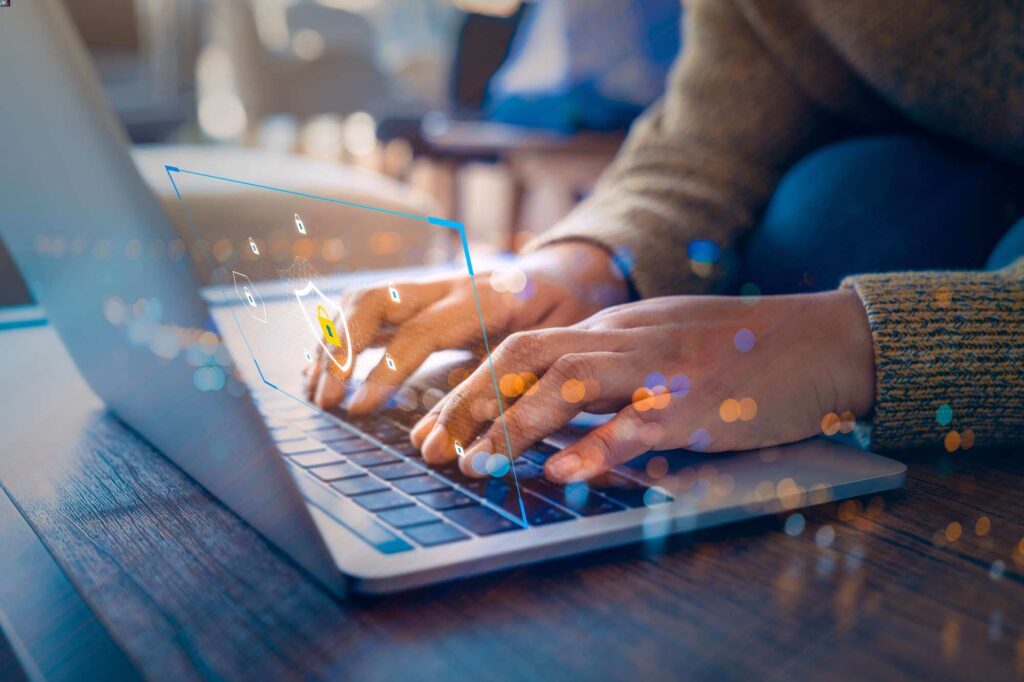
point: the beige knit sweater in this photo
(763, 82)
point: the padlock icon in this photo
(252, 245)
(249, 297)
(327, 327)
(299, 225)
(389, 362)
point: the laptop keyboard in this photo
(415, 505)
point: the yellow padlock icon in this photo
(327, 326)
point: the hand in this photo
(703, 373)
(568, 281)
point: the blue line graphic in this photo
(458, 227)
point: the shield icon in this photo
(309, 299)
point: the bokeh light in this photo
(700, 440)
(497, 465)
(679, 385)
(750, 293)
(385, 243)
(743, 340)
(511, 385)
(657, 466)
(642, 399)
(825, 536)
(830, 424)
(748, 409)
(944, 415)
(573, 391)
(795, 524)
(952, 441)
(729, 410)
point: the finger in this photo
(365, 311)
(618, 440)
(572, 384)
(447, 324)
(462, 413)
(473, 405)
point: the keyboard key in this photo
(445, 499)
(420, 485)
(387, 432)
(405, 448)
(282, 435)
(632, 494)
(550, 515)
(295, 447)
(360, 485)
(352, 517)
(317, 459)
(350, 447)
(435, 534)
(391, 472)
(388, 499)
(407, 516)
(313, 423)
(374, 458)
(336, 472)
(579, 498)
(333, 434)
(480, 520)
(536, 456)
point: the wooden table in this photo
(868, 590)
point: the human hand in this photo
(569, 281)
(704, 373)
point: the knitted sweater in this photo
(762, 83)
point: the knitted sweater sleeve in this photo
(702, 163)
(949, 356)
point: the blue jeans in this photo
(882, 204)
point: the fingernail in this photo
(470, 464)
(422, 428)
(565, 466)
(437, 447)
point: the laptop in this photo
(349, 499)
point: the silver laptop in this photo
(348, 499)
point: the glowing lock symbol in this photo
(458, 449)
(299, 225)
(390, 363)
(249, 297)
(252, 245)
(327, 327)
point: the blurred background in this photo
(498, 113)
(503, 111)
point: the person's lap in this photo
(884, 204)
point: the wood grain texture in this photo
(191, 592)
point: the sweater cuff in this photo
(949, 357)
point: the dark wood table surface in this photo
(924, 583)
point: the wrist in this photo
(858, 350)
(584, 269)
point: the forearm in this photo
(701, 164)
